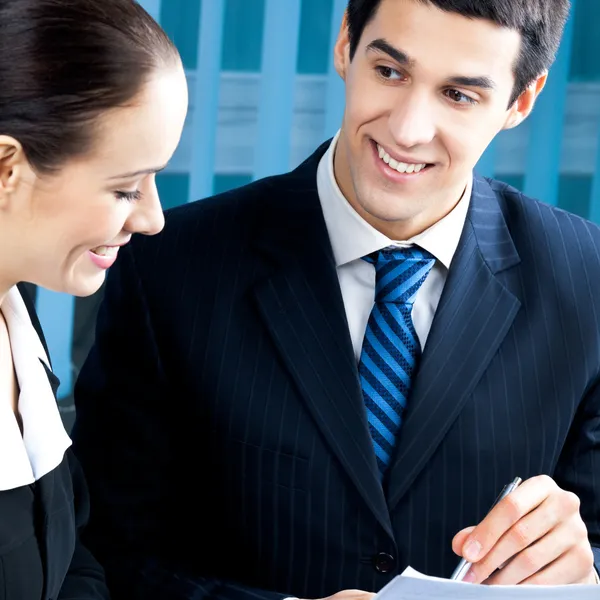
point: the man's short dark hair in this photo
(540, 23)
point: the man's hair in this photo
(540, 23)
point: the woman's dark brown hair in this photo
(64, 62)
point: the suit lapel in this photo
(473, 317)
(44, 501)
(301, 304)
(45, 486)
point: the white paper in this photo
(412, 585)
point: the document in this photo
(412, 585)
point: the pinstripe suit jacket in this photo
(221, 422)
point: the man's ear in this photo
(341, 50)
(12, 166)
(524, 104)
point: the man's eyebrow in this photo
(141, 172)
(482, 82)
(383, 47)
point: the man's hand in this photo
(534, 536)
(351, 595)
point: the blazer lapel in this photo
(44, 500)
(45, 486)
(473, 317)
(301, 304)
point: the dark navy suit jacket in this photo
(221, 421)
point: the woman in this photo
(93, 99)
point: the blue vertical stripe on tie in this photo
(336, 94)
(56, 313)
(542, 173)
(206, 99)
(277, 88)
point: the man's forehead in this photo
(417, 34)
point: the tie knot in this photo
(400, 273)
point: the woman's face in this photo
(66, 228)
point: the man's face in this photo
(426, 92)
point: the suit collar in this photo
(352, 237)
(489, 227)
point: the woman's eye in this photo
(129, 196)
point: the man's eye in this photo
(388, 73)
(459, 98)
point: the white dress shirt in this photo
(28, 456)
(353, 238)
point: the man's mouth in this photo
(402, 167)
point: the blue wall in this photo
(264, 95)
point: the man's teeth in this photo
(399, 166)
(109, 251)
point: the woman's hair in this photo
(65, 62)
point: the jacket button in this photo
(384, 562)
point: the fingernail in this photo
(469, 577)
(472, 550)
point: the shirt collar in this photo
(352, 237)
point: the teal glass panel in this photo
(486, 166)
(242, 44)
(512, 179)
(173, 189)
(547, 121)
(224, 183)
(585, 65)
(335, 97)
(594, 211)
(575, 193)
(180, 19)
(315, 26)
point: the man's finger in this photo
(459, 540)
(519, 537)
(570, 567)
(526, 498)
(534, 558)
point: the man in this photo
(309, 383)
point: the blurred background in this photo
(263, 95)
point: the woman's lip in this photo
(102, 262)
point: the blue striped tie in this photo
(391, 348)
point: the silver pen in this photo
(464, 565)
